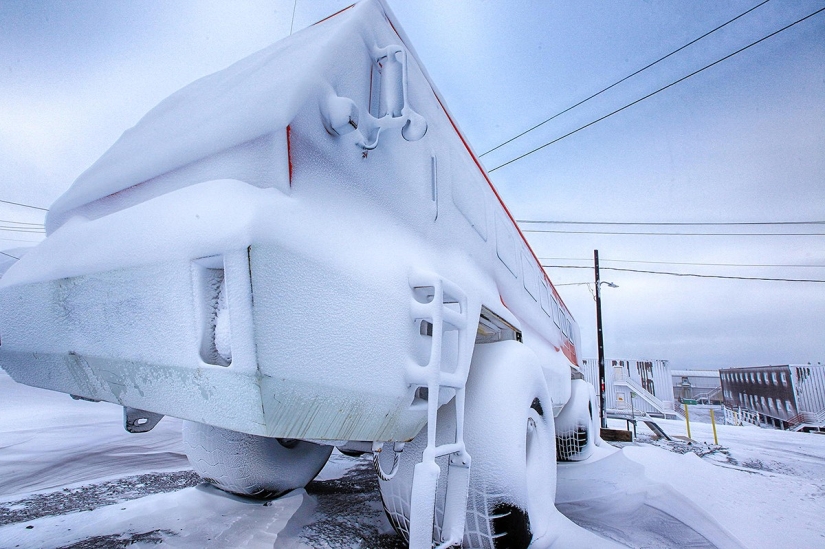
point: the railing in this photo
(644, 394)
(708, 395)
(804, 419)
(679, 408)
(741, 416)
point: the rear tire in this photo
(576, 432)
(509, 434)
(250, 465)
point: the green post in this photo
(687, 419)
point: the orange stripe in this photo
(331, 16)
(289, 151)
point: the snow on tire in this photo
(251, 465)
(509, 433)
(576, 424)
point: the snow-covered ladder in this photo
(440, 306)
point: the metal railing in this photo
(807, 419)
(741, 416)
(644, 394)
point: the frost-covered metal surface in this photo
(245, 256)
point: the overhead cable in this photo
(695, 275)
(18, 240)
(24, 205)
(602, 260)
(651, 94)
(22, 229)
(614, 84)
(672, 223)
(21, 222)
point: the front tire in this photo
(509, 434)
(250, 465)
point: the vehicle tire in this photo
(509, 434)
(250, 465)
(576, 432)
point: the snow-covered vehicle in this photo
(302, 252)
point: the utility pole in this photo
(600, 339)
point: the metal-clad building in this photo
(643, 386)
(790, 396)
(704, 386)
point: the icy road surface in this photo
(71, 477)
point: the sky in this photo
(743, 141)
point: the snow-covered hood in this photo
(251, 98)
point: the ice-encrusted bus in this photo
(302, 252)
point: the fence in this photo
(741, 417)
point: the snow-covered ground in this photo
(71, 477)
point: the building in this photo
(790, 396)
(702, 386)
(634, 386)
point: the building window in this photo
(783, 378)
(762, 400)
(788, 405)
(773, 377)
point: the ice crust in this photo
(241, 165)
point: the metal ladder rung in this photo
(446, 309)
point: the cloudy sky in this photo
(740, 142)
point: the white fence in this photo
(741, 416)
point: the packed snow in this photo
(254, 176)
(70, 476)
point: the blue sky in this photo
(742, 141)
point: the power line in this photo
(18, 240)
(672, 223)
(695, 275)
(650, 233)
(614, 84)
(20, 222)
(684, 263)
(9, 255)
(740, 50)
(24, 205)
(22, 229)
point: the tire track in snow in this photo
(91, 496)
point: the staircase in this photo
(665, 409)
(810, 420)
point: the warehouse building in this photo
(697, 386)
(790, 396)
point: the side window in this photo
(530, 279)
(555, 306)
(468, 195)
(506, 245)
(545, 298)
